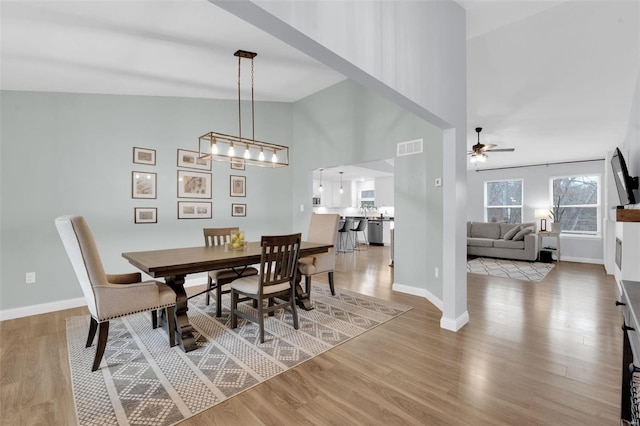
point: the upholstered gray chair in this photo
(276, 279)
(110, 296)
(323, 228)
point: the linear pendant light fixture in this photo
(222, 147)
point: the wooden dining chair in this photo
(111, 296)
(276, 280)
(218, 280)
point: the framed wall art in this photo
(238, 186)
(194, 184)
(143, 185)
(194, 210)
(144, 156)
(237, 164)
(189, 159)
(238, 210)
(145, 215)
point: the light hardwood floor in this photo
(545, 353)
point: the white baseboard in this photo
(582, 260)
(61, 305)
(402, 288)
(42, 308)
(456, 324)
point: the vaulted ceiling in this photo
(552, 79)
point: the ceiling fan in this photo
(479, 150)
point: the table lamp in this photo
(542, 214)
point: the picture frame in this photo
(189, 159)
(194, 210)
(237, 163)
(144, 156)
(143, 185)
(238, 210)
(194, 184)
(238, 186)
(145, 215)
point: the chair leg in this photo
(234, 306)
(154, 319)
(171, 325)
(93, 326)
(294, 310)
(333, 289)
(261, 321)
(102, 344)
(270, 304)
(218, 299)
(209, 283)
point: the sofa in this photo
(518, 241)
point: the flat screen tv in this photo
(624, 182)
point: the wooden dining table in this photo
(175, 264)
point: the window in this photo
(576, 200)
(503, 201)
(367, 198)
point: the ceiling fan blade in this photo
(487, 147)
(501, 150)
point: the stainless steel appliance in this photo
(375, 232)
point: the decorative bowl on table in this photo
(237, 241)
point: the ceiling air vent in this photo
(409, 148)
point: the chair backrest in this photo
(279, 259)
(218, 236)
(362, 225)
(323, 228)
(82, 251)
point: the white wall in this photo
(536, 195)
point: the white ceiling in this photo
(552, 79)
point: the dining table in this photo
(175, 264)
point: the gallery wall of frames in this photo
(194, 198)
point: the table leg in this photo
(183, 328)
(303, 300)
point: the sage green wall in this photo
(72, 154)
(347, 124)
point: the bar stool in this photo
(362, 225)
(344, 237)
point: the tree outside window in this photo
(503, 201)
(576, 202)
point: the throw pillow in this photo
(511, 232)
(521, 233)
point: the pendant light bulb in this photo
(247, 154)
(261, 155)
(321, 188)
(232, 152)
(214, 147)
(341, 189)
(274, 157)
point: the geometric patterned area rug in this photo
(142, 381)
(518, 270)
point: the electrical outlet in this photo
(437, 272)
(30, 277)
(438, 182)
